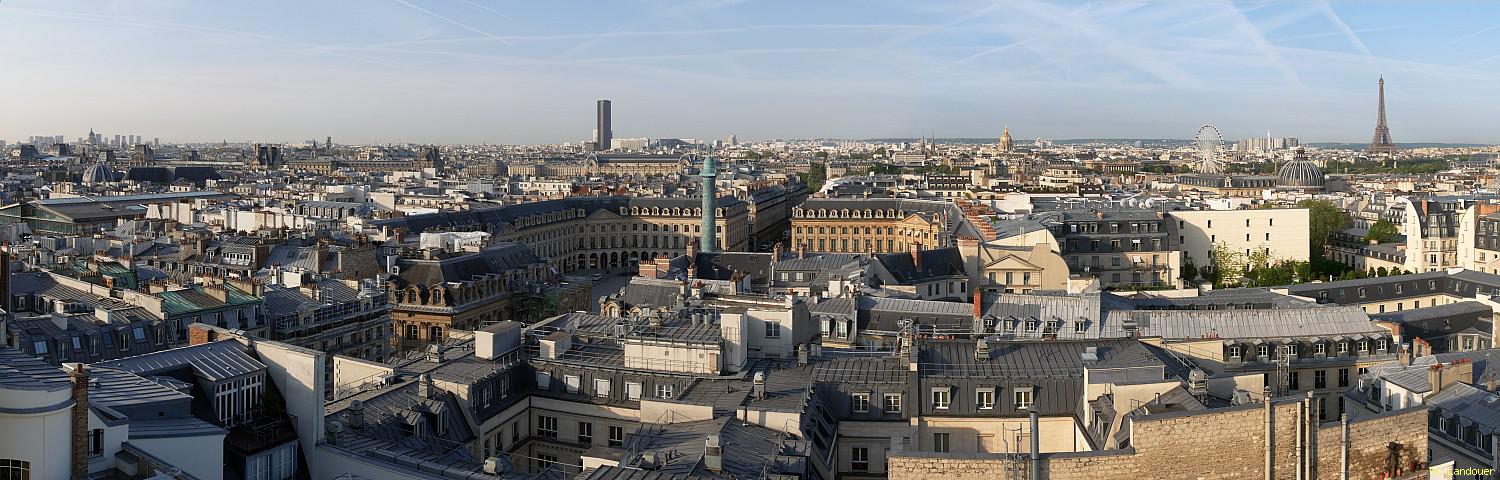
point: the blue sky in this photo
(474, 71)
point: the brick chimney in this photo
(916, 260)
(80, 431)
(1440, 375)
(978, 304)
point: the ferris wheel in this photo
(1210, 143)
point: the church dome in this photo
(1299, 173)
(98, 173)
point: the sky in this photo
(528, 72)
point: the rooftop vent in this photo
(1090, 355)
(758, 388)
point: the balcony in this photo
(260, 433)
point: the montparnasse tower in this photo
(1005, 141)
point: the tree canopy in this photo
(1382, 231)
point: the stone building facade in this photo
(1195, 445)
(885, 225)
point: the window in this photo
(1320, 379)
(1343, 377)
(601, 387)
(859, 459)
(892, 403)
(96, 442)
(1234, 351)
(940, 442)
(632, 390)
(861, 402)
(616, 436)
(411, 332)
(571, 383)
(545, 461)
(546, 427)
(40, 347)
(15, 469)
(1023, 398)
(1343, 347)
(664, 391)
(941, 398)
(1263, 351)
(1320, 348)
(984, 398)
(140, 334)
(773, 330)
(585, 433)
(543, 381)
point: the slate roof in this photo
(934, 264)
(496, 259)
(1440, 320)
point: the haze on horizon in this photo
(472, 71)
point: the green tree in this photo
(1323, 220)
(1381, 232)
(815, 176)
(1189, 272)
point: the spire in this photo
(1382, 143)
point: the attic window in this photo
(1080, 326)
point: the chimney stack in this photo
(713, 456)
(424, 386)
(978, 304)
(80, 432)
(916, 260)
(802, 250)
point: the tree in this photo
(1381, 232)
(815, 176)
(1382, 272)
(1323, 220)
(1189, 272)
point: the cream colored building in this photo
(1281, 232)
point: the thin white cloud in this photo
(455, 23)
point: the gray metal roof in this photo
(24, 372)
(1272, 323)
(215, 361)
(1467, 402)
(113, 387)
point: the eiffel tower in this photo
(1382, 144)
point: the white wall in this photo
(44, 439)
(188, 453)
(1200, 230)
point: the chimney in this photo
(982, 350)
(713, 455)
(355, 415)
(758, 387)
(916, 260)
(217, 291)
(1440, 375)
(802, 354)
(80, 434)
(424, 386)
(776, 252)
(802, 250)
(978, 304)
